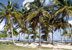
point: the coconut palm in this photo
(45, 28)
(9, 13)
(61, 13)
(36, 14)
(64, 8)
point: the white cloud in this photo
(47, 2)
(1, 26)
(25, 1)
(70, 22)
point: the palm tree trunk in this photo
(61, 37)
(28, 38)
(64, 40)
(52, 37)
(34, 34)
(71, 35)
(12, 33)
(48, 38)
(34, 37)
(39, 37)
(19, 37)
(71, 39)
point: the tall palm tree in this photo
(64, 8)
(61, 13)
(37, 12)
(45, 28)
(9, 13)
(35, 19)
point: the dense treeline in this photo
(46, 18)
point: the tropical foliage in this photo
(37, 16)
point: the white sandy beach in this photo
(34, 45)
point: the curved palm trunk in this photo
(12, 34)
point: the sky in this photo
(21, 3)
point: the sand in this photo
(34, 45)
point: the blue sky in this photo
(21, 2)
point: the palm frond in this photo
(34, 14)
(15, 5)
(3, 5)
(1, 9)
(15, 32)
(2, 18)
(60, 10)
(46, 13)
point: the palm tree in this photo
(35, 18)
(46, 29)
(9, 13)
(36, 14)
(33, 32)
(63, 8)
(61, 14)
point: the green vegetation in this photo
(46, 18)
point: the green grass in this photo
(12, 47)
